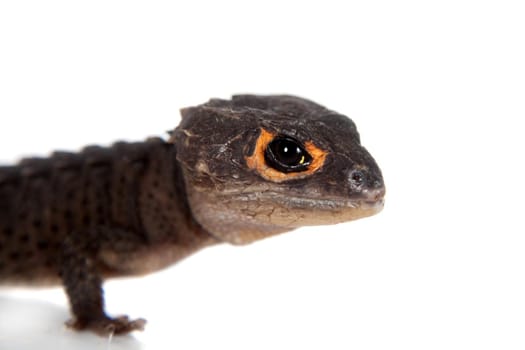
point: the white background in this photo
(437, 90)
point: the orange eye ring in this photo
(258, 162)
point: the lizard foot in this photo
(106, 326)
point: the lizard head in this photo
(255, 166)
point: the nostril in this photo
(357, 178)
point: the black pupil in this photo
(288, 152)
(287, 155)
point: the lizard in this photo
(233, 171)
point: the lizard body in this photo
(233, 171)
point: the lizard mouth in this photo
(325, 203)
(367, 199)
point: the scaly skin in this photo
(133, 208)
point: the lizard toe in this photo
(106, 326)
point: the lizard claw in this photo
(106, 326)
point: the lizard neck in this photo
(165, 213)
(168, 228)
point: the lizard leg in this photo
(83, 286)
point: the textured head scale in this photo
(241, 188)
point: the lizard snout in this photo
(374, 195)
(366, 186)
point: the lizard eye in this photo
(287, 155)
(280, 158)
